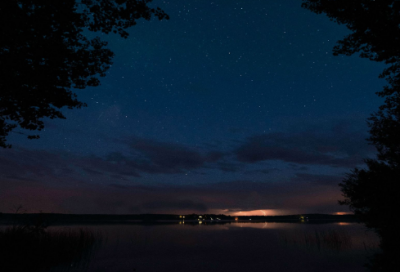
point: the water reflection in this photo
(235, 247)
(186, 247)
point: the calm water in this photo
(230, 247)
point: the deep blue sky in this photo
(229, 106)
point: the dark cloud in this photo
(35, 165)
(338, 147)
(152, 156)
(214, 156)
(118, 186)
(115, 182)
(229, 166)
(175, 205)
(118, 177)
(261, 171)
(299, 192)
(167, 157)
(143, 157)
(318, 179)
(92, 172)
(136, 188)
(242, 186)
(124, 167)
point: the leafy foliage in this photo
(372, 193)
(43, 54)
(375, 27)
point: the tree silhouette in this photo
(375, 32)
(44, 55)
(372, 193)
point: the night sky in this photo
(234, 107)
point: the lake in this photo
(230, 247)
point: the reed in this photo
(329, 239)
(27, 249)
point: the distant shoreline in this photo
(54, 219)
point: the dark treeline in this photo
(46, 219)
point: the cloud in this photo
(118, 186)
(143, 156)
(243, 186)
(229, 166)
(318, 179)
(338, 147)
(313, 193)
(181, 205)
(114, 164)
(301, 192)
(35, 165)
(161, 157)
(167, 156)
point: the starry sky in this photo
(231, 106)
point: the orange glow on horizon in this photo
(269, 212)
(256, 213)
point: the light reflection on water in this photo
(234, 247)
